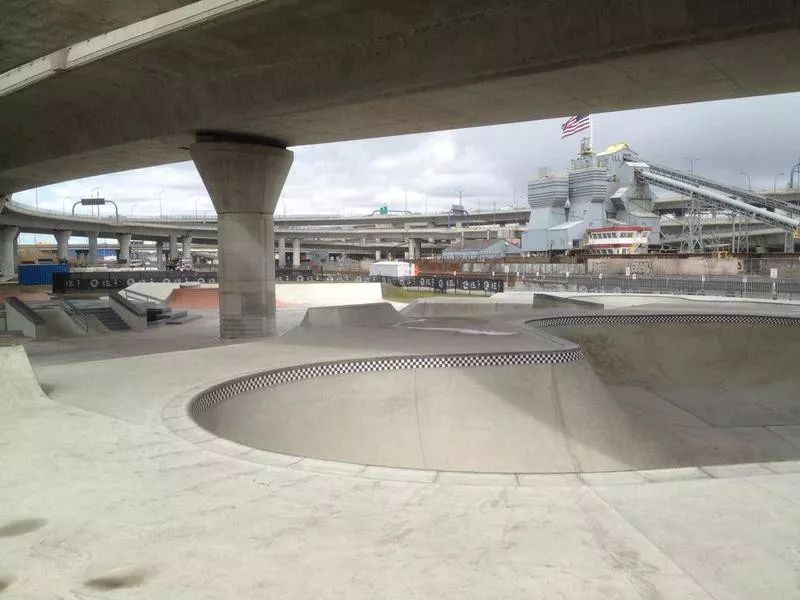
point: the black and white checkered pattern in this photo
(658, 319)
(249, 383)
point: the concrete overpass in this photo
(231, 84)
(177, 235)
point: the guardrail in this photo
(741, 287)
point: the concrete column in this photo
(92, 257)
(295, 254)
(62, 243)
(282, 252)
(8, 236)
(377, 255)
(414, 248)
(160, 255)
(124, 247)
(244, 180)
(173, 246)
(788, 242)
(187, 247)
(16, 251)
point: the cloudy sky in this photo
(760, 136)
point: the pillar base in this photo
(247, 275)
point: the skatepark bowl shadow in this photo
(645, 393)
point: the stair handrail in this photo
(73, 312)
(137, 295)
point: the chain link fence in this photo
(738, 287)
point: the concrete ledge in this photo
(544, 300)
(134, 317)
(21, 317)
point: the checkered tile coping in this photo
(249, 383)
(656, 319)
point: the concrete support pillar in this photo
(282, 252)
(377, 255)
(124, 247)
(244, 180)
(92, 257)
(295, 254)
(8, 236)
(62, 244)
(187, 247)
(788, 243)
(173, 246)
(160, 263)
(414, 248)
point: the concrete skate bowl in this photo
(488, 412)
(650, 396)
(695, 390)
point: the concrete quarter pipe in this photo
(643, 396)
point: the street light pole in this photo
(691, 160)
(749, 183)
(775, 182)
(160, 206)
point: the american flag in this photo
(575, 124)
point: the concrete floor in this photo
(98, 498)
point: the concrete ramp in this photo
(467, 308)
(327, 294)
(374, 314)
(194, 297)
(18, 383)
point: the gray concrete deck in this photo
(98, 498)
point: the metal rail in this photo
(72, 312)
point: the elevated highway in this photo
(232, 84)
(93, 99)
(356, 234)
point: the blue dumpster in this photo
(40, 274)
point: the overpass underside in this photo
(233, 89)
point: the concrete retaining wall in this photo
(20, 317)
(135, 318)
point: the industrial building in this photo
(481, 249)
(599, 190)
(604, 203)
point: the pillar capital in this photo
(242, 177)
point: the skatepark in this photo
(647, 447)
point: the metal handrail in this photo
(139, 295)
(73, 313)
